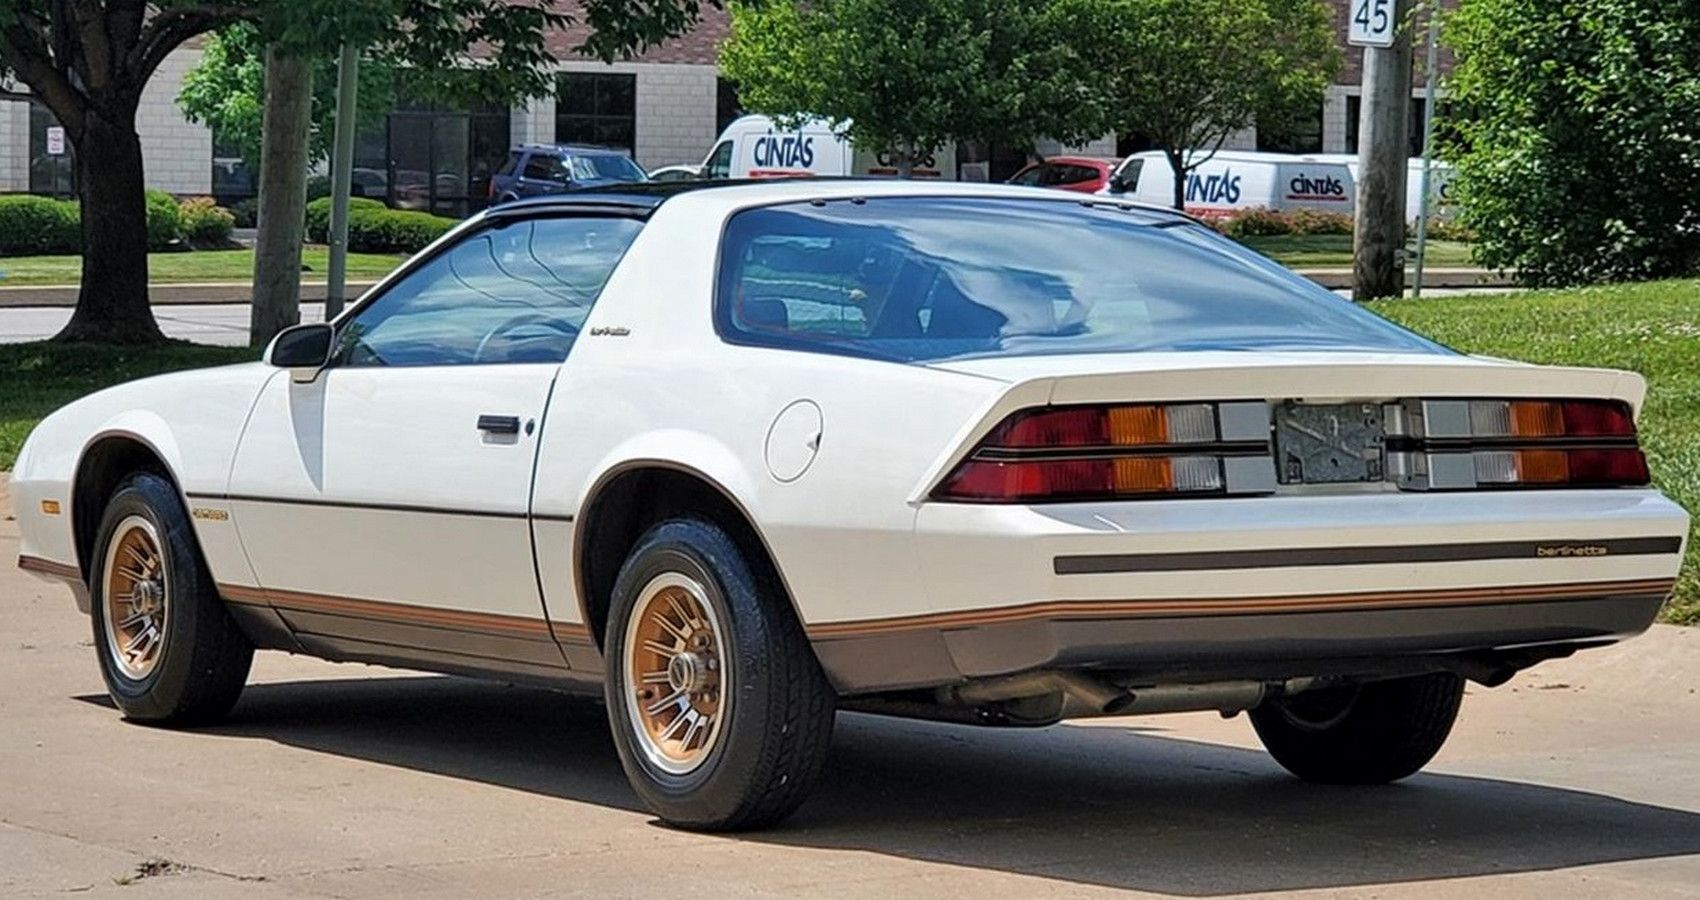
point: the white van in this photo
(1231, 181)
(755, 146)
(1440, 182)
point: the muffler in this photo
(1098, 697)
(1088, 696)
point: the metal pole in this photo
(342, 176)
(1429, 78)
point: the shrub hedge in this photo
(32, 225)
(205, 223)
(375, 228)
(165, 224)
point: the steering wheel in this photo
(565, 329)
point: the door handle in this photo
(499, 424)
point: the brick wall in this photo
(176, 153)
(14, 145)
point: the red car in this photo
(1086, 174)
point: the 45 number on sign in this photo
(1372, 23)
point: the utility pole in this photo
(342, 176)
(1383, 148)
(1430, 76)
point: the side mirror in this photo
(1118, 184)
(302, 349)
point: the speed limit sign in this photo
(1372, 23)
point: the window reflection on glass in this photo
(519, 293)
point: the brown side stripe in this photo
(50, 567)
(1207, 606)
(404, 613)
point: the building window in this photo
(1354, 109)
(52, 173)
(597, 108)
(438, 159)
(727, 106)
(233, 179)
(1302, 134)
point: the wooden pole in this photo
(1383, 148)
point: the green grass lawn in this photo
(1298, 250)
(197, 265)
(37, 378)
(1649, 328)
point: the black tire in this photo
(203, 659)
(772, 744)
(1373, 733)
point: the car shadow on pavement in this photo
(1101, 805)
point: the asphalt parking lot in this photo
(1580, 779)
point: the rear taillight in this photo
(1118, 451)
(1461, 444)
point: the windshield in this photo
(918, 279)
(606, 167)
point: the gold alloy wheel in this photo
(135, 590)
(678, 687)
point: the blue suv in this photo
(555, 168)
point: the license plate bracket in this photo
(1330, 443)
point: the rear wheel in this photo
(720, 712)
(169, 651)
(1371, 733)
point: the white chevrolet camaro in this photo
(737, 456)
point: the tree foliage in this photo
(1578, 143)
(910, 77)
(1188, 74)
(89, 60)
(226, 91)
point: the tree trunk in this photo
(906, 161)
(112, 306)
(1180, 179)
(283, 196)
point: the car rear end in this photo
(1280, 519)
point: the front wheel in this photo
(720, 712)
(168, 649)
(1370, 733)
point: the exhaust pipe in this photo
(1096, 697)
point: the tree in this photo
(909, 77)
(226, 91)
(1188, 74)
(1579, 140)
(89, 60)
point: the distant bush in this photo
(375, 228)
(319, 216)
(1258, 222)
(1450, 230)
(1261, 222)
(318, 186)
(30, 225)
(394, 230)
(247, 212)
(165, 224)
(205, 223)
(1310, 221)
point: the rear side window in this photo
(509, 165)
(917, 279)
(544, 168)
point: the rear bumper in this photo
(1261, 587)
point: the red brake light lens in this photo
(1092, 452)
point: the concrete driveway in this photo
(1581, 779)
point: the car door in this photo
(386, 503)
